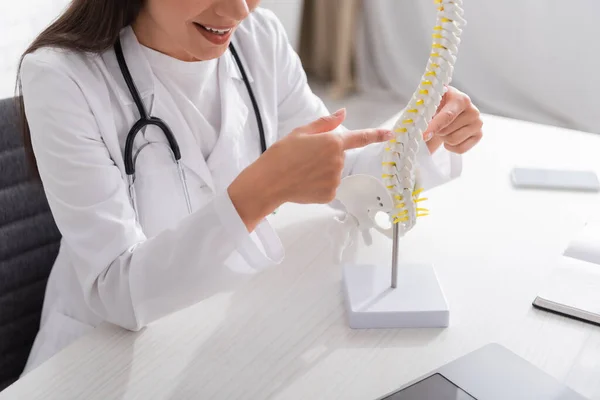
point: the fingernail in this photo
(339, 112)
(428, 136)
(388, 134)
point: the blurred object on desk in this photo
(572, 290)
(586, 244)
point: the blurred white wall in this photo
(20, 22)
(535, 60)
(289, 13)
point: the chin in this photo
(209, 53)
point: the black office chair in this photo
(29, 241)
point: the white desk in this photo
(284, 335)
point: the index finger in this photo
(365, 137)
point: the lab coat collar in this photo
(138, 65)
(232, 68)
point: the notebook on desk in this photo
(572, 290)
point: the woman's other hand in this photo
(457, 124)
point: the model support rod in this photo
(395, 243)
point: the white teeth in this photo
(217, 31)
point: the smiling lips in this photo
(217, 36)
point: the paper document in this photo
(586, 244)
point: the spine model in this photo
(399, 163)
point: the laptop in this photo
(489, 373)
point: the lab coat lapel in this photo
(164, 107)
(228, 156)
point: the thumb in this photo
(324, 124)
(434, 124)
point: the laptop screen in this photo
(435, 387)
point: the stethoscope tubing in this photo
(146, 120)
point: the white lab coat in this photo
(113, 268)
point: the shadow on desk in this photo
(285, 327)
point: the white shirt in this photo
(194, 87)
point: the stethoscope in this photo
(146, 120)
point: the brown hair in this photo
(86, 26)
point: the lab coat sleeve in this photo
(298, 105)
(127, 278)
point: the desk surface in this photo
(284, 335)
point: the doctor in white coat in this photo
(191, 232)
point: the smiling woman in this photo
(165, 133)
(174, 30)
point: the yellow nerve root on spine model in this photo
(399, 164)
(365, 196)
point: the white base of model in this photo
(417, 302)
